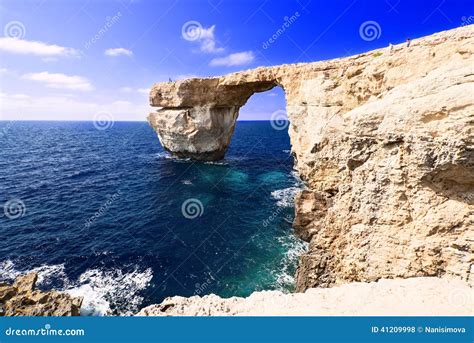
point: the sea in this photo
(107, 214)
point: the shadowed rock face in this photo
(384, 141)
(198, 116)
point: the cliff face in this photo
(384, 141)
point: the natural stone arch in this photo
(377, 137)
(197, 116)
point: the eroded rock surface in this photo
(22, 299)
(401, 297)
(384, 141)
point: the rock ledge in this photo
(399, 297)
(22, 299)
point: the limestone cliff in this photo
(424, 296)
(22, 299)
(384, 141)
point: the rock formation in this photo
(384, 142)
(22, 299)
(404, 297)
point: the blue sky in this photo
(69, 60)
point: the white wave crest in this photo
(295, 247)
(109, 291)
(104, 292)
(8, 272)
(285, 197)
(216, 163)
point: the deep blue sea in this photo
(108, 215)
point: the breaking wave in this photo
(285, 197)
(105, 292)
(295, 247)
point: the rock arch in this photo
(197, 116)
(383, 141)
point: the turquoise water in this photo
(108, 215)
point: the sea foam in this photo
(105, 292)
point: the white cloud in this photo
(236, 59)
(56, 80)
(49, 59)
(122, 103)
(52, 107)
(26, 47)
(17, 96)
(117, 52)
(206, 39)
(131, 90)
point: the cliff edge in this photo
(400, 297)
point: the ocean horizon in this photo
(118, 121)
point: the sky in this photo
(76, 59)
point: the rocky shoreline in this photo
(384, 141)
(23, 299)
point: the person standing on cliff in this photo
(408, 42)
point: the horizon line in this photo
(115, 121)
